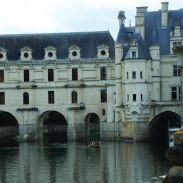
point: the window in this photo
(103, 74)
(26, 75)
(25, 98)
(1, 55)
(141, 97)
(26, 55)
(50, 75)
(134, 98)
(50, 54)
(74, 53)
(103, 52)
(133, 75)
(50, 97)
(103, 95)
(176, 93)
(74, 74)
(2, 98)
(177, 70)
(141, 76)
(126, 75)
(103, 112)
(134, 54)
(74, 97)
(1, 76)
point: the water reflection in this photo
(114, 162)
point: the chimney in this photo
(139, 20)
(164, 14)
(121, 17)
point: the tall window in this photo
(74, 97)
(26, 75)
(141, 76)
(103, 94)
(74, 74)
(126, 75)
(134, 97)
(177, 70)
(1, 76)
(103, 73)
(50, 97)
(50, 75)
(141, 97)
(2, 98)
(103, 112)
(176, 93)
(133, 75)
(25, 98)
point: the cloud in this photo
(23, 16)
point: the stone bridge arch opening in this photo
(92, 127)
(158, 127)
(9, 127)
(54, 127)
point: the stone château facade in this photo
(86, 82)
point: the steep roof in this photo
(155, 34)
(126, 35)
(87, 41)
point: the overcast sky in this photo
(43, 16)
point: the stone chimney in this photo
(121, 17)
(139, 20)
(164, 14)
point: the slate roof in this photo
(87, 41)
(155, 34)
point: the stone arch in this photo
(54, 126)
(9, 127)
(92, 127)
(159, 125)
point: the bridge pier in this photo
(28, 127)
(28, 132)
(76, 127)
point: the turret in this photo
(164, 14)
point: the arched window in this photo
(74, 97)
(134, 54)
(25, 98)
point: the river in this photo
(114, 162)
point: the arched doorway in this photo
(158, 127)
(9, 128)
(54, 127)
(92, 127)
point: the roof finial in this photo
(121, 17)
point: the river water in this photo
(114, 162)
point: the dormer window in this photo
(74, 52)
(50, 53)
(3, 54)
(26, 54)
(102, 51)
(134, 54)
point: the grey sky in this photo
(40, 16)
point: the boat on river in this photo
(94, 145)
